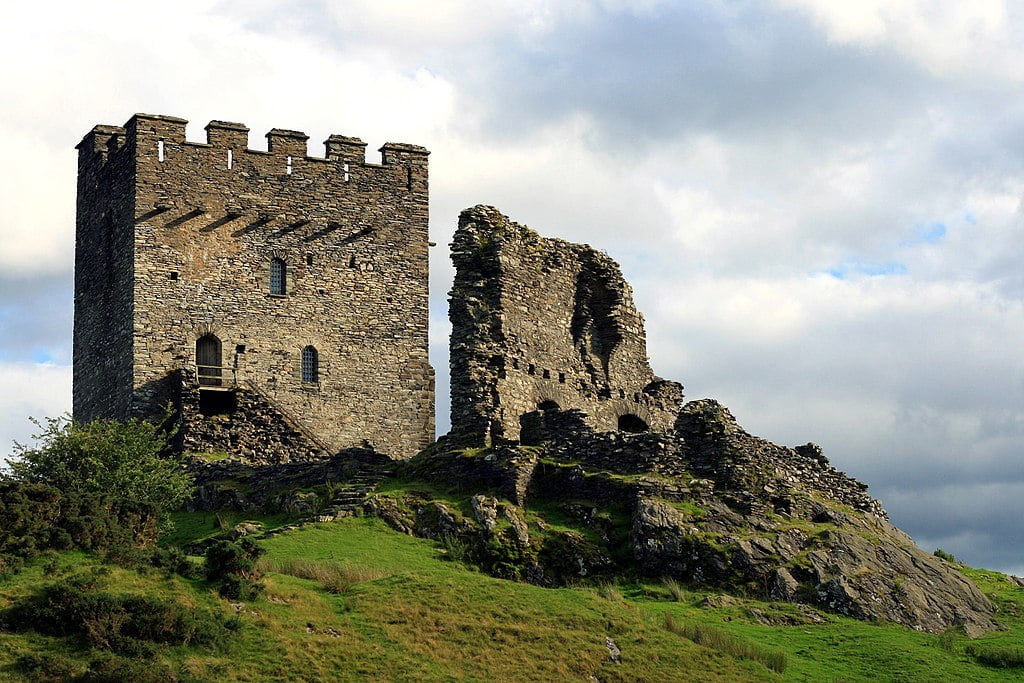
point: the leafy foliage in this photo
(126, 624)
(233, 565)
(37, 517)
(126, 459)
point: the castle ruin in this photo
(278, 300)
(540, 324)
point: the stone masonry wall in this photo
(197, 227)
(538, 320)
(104, 270)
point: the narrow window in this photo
(160, 150)
(173, 275)
(231, 160)
(278, 277)
(561, 378)
(345, 167)
(309, 259)
(310, 364)
(546, 374)
(288, 166)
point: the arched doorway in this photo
(208, 361)
(632, 424)
(545, 406)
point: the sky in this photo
(817, 202)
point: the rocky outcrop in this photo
(707, 504)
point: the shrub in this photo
(102, 457)
(942, 554)
(232, 564)
(719, 640)
(47, 667)
(36, 518)
(126, 624)
(175, 561)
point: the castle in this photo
(277, 300)
(280, 302)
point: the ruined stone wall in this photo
(537, 320)
(207, 221)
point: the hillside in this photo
(386, 606)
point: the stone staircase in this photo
(351, 494)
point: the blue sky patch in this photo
(855, 268)
(929, 233)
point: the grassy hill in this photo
(354, 600)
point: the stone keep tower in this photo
(278, 299)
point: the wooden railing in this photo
(215, 376)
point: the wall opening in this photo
(278, 276)
(208, 361)
(231, 159)
(217, 402)
(545, 406)
(310, 365)
(632, 424)
(160, 150)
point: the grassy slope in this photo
(422, 617)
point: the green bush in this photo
(35, 518)
(126, 459)
(47, 667)
(233, 565)
(942, 554)
(126, 624)
(175, 561)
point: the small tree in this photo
(121, 459)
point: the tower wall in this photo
(204, 222)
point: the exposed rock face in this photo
(793, 529)
(540, 322)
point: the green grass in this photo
(354, 600)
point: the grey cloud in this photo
(36, 317)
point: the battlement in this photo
(164, 136)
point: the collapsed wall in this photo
(541, 323)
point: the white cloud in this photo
(30, 390)
(945, 37)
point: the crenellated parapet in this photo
(149, 138)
